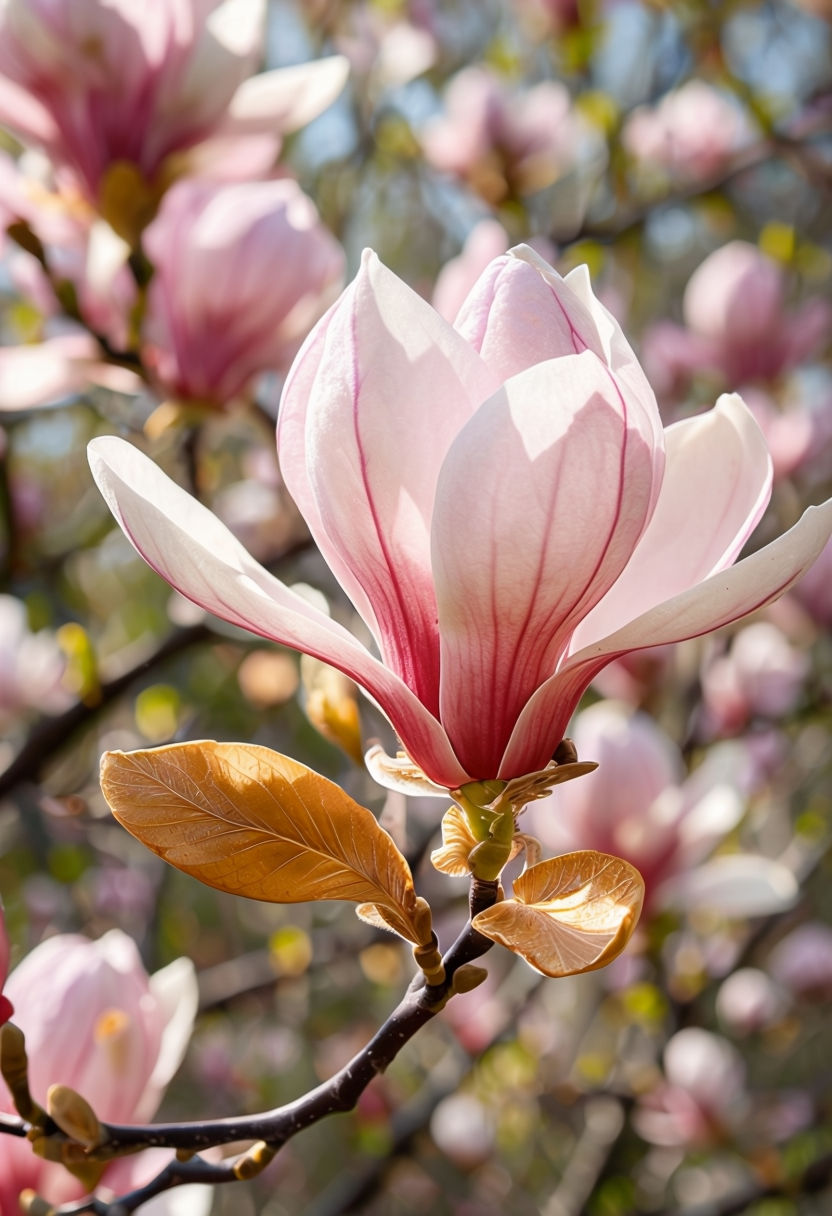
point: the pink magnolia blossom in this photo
(32, 666)
(738, 326)
(736, 302)
(242, 272)
(761, 675)
(639, 805)
(499, 500)
(693, 132)
(102, 82)
(703, 1098)
(94, 1021)
(503, 143)
(815, 589)
(802, 962)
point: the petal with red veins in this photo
(721, 599)
(716, 487)
(539, 505)
(190, 548)
(372, 404)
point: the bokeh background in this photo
(684, 152)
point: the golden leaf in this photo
(249, 821)
(569, 914)
(457, 842)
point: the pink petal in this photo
(539, 505)
(287, 98)
(25, 115)
(716, 487)
(521, 312)
(40, 374)
(176, 992)
(723, 598)
(372, 404)
(185, 543)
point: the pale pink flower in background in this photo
(636, 676)
(503, 142)
(83, 254)
(693, 132)
(802, 962)
(739, 327)
(797, 433)
(95, 1021)
(703, 1097)
(242, 272)
(749, 1000)
(761, 675)
(814, 591)
(499, 500)
(639, 805)
(384, 49)
(735, 302)
(102, 82)
(32, 666)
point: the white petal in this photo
(286, 99)
(738, 885)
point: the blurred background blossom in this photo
(183, 188)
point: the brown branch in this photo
(339, 1094)
(52, 733)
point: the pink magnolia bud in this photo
(735, 302)
(242, 273)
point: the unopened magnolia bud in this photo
(254, 1161)
(565, 753)
(468, 978)
(31, 1204)
(74, 1115)
(429, 959)
(14, 1065)
(422, 920)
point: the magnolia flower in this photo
(95, 1022)
(242, 272)
(694, 131)
(737, 323)
(762, 675)
(502, 143)
(499, 500)
(101, 83)
(704, 1097)
(639, 805)
(32, 666)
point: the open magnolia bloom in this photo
(500, 502)
(117, 93)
